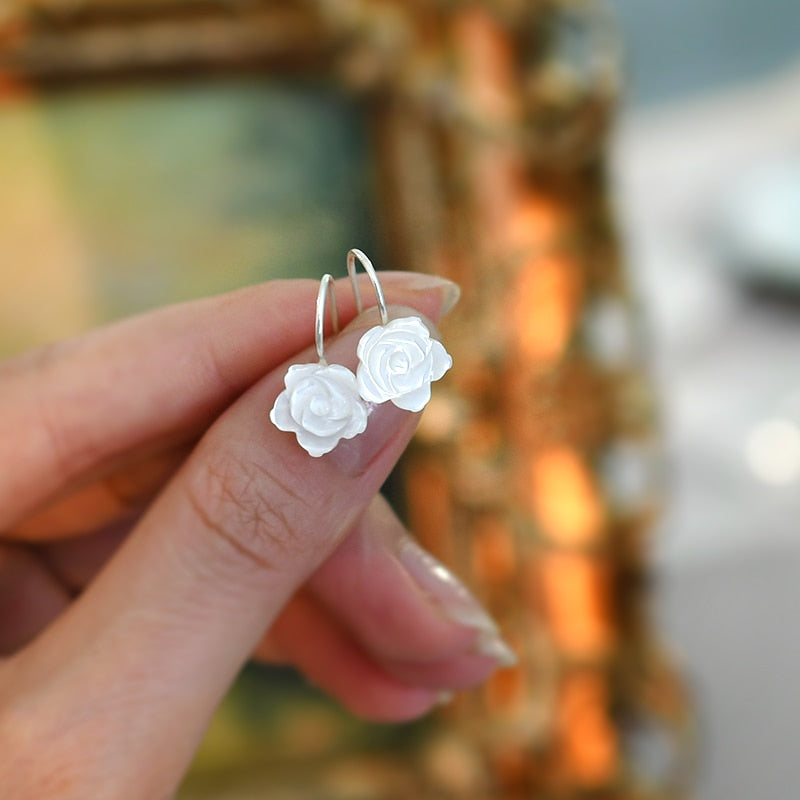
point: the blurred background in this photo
(707, 183)
(109, 192)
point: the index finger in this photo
(76, 408)
(170, 620)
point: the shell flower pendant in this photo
(321, 406)
(398, 361)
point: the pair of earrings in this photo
(397, 361)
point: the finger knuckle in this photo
(71, 443)
(246, 509)
(24, 736)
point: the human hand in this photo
(156, 531)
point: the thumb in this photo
(131, 673)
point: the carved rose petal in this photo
(415, 400)
(397, 362)
(321, 406)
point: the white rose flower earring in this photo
(321, 403)
(398, 360)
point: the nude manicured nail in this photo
(385, 420)
(451, 292)
(444, 698)
(354, 456)
(491, 644)
(455, 601)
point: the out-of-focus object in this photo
(536, 469)
(757, 224)
(728, 554)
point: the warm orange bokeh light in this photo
(430, 514)
(547, 289)
(565, 498)
(493, 551)
(536, 224)
(487, 66)
(576, 599)
(589, 743)
(546, 299)
(505, 690)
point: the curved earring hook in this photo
(325, 291)
(373, 277)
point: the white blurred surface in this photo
(727, 361)
(727, 367)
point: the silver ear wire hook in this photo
(397, 360)
(352, 255)
(320, 403)
(326, 291)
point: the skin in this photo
(156, 531)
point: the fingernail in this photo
(490, 644)
(421, 282)
(455, 601)
(385, 421)
(451, 292)
(450, 298)
(444, 698)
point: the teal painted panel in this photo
(178, 191)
